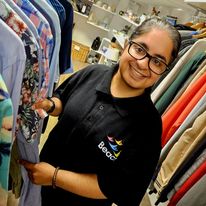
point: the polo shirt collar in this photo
(124, 106)
(104, 85)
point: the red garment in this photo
(186, 111)
(188, 184)
(170, 117)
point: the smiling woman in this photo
(108, 134)
(145, 58)
(155, 64)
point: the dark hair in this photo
(157, 22)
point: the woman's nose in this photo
(143, 63)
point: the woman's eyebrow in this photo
(155, 55)
(160, 57)
(144, 45)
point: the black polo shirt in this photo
(119, 139)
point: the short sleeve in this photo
(64, 91)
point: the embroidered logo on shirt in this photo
(114, 150)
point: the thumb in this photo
(26, 164)
(37, 104)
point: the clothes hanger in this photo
(203, 30)
(198, 25)
(188, 23)
(199, 36)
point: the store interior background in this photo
(116, 19)
(85, 31)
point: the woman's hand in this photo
(47, 104)
(39, 173)
(44, 104)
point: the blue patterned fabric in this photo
(60, 11)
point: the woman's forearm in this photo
(85, 185)
(81, 184)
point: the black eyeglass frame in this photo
(147, 55)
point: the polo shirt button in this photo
(101, 107)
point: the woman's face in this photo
(136, 73)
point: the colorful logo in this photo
(116, 145)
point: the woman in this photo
(106, 144)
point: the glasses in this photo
(155, 64)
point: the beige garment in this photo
(198, 46)
(180, 151)
(200, 73)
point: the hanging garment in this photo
(171, 66)
(30, 81)
(188, 184)
(197, 47)
(12, 64)
(199, 74)
(28, 119)
(60, 11)
(50, 14)
(187, 42)
(197, 163)
(185, 165)
(187, 69)
(197, 110)
(195, 195)
(192, 138)
(200, 71)
(31, 27)
(30, 193)
(66, 38)
(46, 41)
(174, 117)
(6, 123)
(186, 111)
(180, 54)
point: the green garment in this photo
(185, 72)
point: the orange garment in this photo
(186, 111)
(170, 117)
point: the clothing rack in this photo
(157, 190)
(33, 55)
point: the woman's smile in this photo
(135, 71)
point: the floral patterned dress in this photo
(28, 119)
